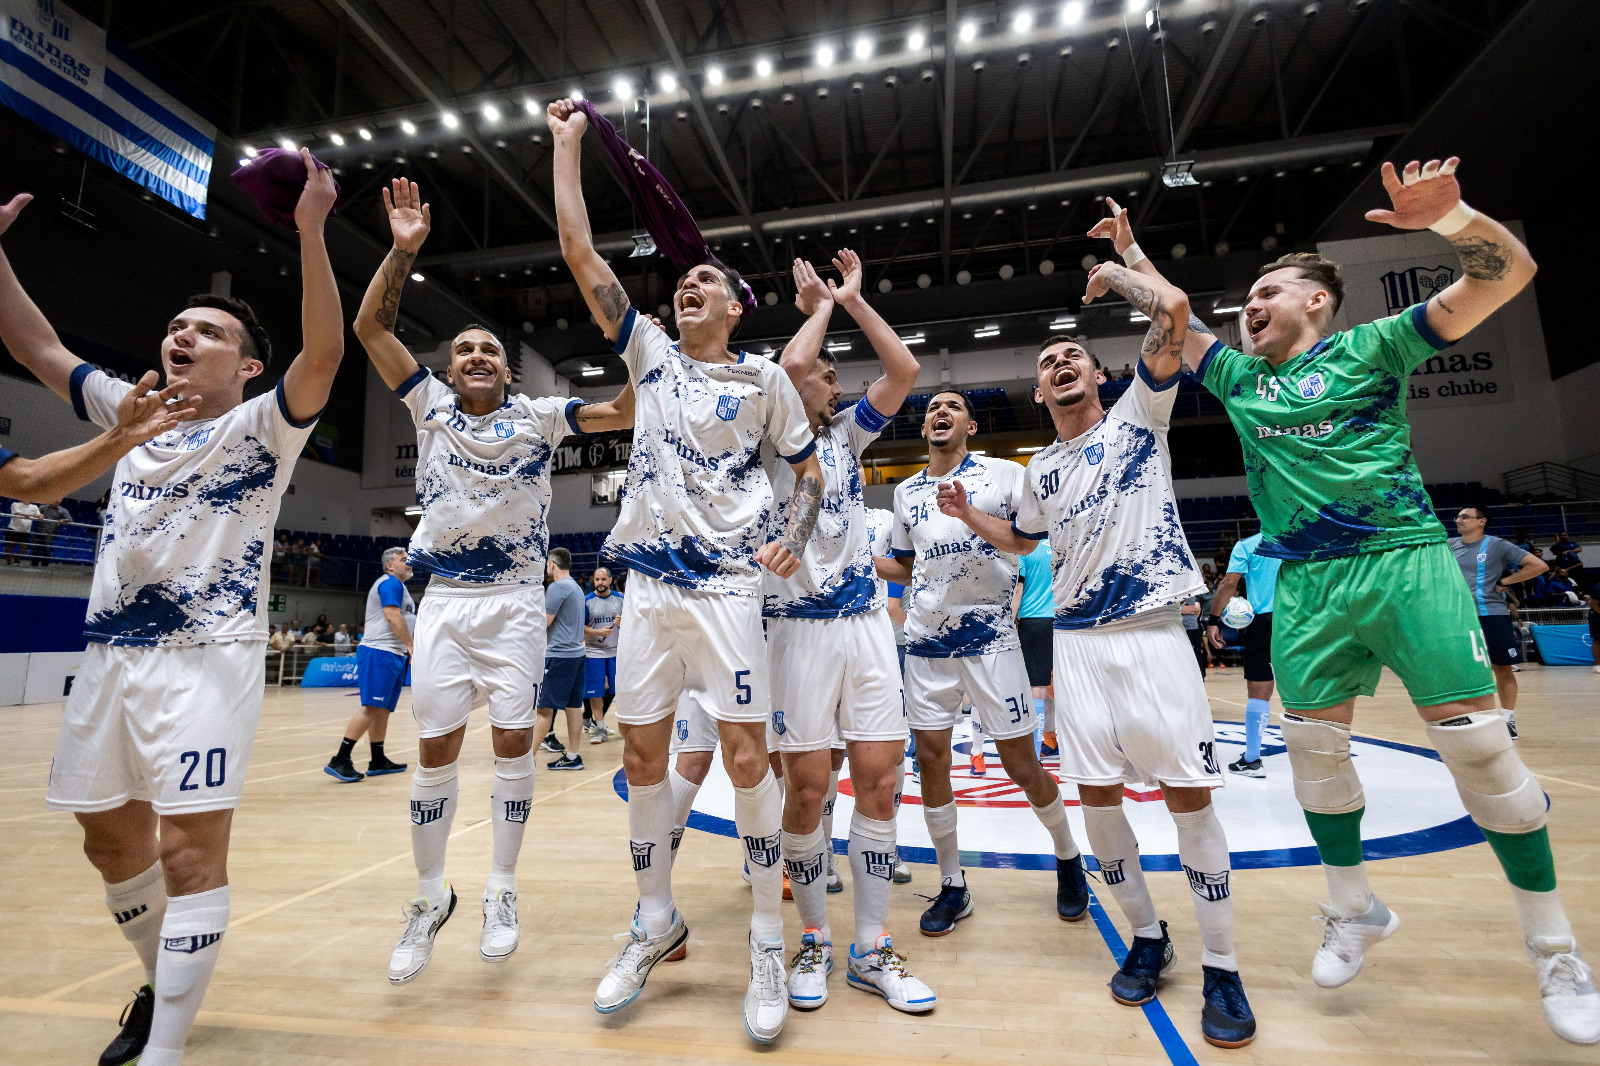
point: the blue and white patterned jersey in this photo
(484, 483)
(1105, 500)
(697, 500)
(835, 578)
(183, 560)
(960, 584)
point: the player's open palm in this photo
(848, 287)
(563, 117)
(316, 201)
(9, 212)
(810, 292)
(1420, 195)
(1116, 228)
(409, 218)
(142, 413)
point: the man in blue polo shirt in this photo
(380, 669)
(1260, 575)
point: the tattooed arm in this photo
(1495, 265)
(1167, 307)
(782, 556)
(612, 414)
(601, 290)
(1119, 231)
(409, 221)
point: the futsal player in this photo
(962, 637)
(381, 661)
(157, 733)
(1260, 574)
(483, 478)
(1368, 580)
(830, 647)
(691, 532)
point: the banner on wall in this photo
(60, 71)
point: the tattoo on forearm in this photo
(1197, 326)
(803, 514)
(1482, 259)
(589, 414)
(1164, 337)
(396, 266)
(612, 299)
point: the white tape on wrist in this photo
(1459, 218)
(1134, 255)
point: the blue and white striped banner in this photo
(59, 70)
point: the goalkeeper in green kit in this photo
(1367, 578)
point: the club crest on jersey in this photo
(641, 853)
(763, 851)
(879, 863)
(826, 454)
(1111, 871)
(777, 723)
(517, 810)
(425, 811)
(805, 871)
(198, 440)
(1207, 886)
(1094, 453)
(1312, 387)
(504, 429)
(727, 407)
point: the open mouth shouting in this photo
(1258, 323)
(942, 423)
(691, 300)
(180, 360)
(1065, 377)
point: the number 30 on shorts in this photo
(216, 768)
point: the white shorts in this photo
(695, 730)
(833, 680)
(170, 725)
(1131, 707)
(477, 647)
(677, 641)
(998, 685)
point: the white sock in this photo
(1053, 816)
(827, 813)
(872, 857)
(1203, 850)
(1117, 851)
(941, 822)
(191, 939)
(976, 738)
(758, 819)
(138, 905)
(683, 794)
(1348, 890)
(1049, 714)
(508, 809)
(1541, 915)
(650, 811)
(435, 790)
(1511, 715)
(806, 862)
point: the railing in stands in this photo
(1552, 479)
(70, 543)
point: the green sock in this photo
(1525, 857)
(1338, 837)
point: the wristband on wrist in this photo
(1213, 619)
(1135, 254)
(1459, 218)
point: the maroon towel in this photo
(274, 179)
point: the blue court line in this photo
(1171, 1042)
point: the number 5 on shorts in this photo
(742, 687)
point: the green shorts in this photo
(1337, 622)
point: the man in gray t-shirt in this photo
(1490, 565)
(563, 657)
(602, 610)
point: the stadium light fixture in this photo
(915, 42)
(244, 161)
(1138, 316)
(1136, 7)
(490, 112)
(249, 151)
(1066, 322)
(763, 67)
(825, 55)
(1022, 21)
(1030, 449)
(415, 511)
(622, 88)
(449, 119)
(986, 331)
(530, 105)
(915, 338)
(668, 81)
(364, 133)
(337, 138)
(863, 47)
(969, 32)
(1227, 310)
(714, 75)
(575, 93)
(287, 145)
(839, 346)
(593, 371)
(418, 277)
(1072, 13)
(408, 127)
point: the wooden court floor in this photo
(319, 872)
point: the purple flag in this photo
(274, 179)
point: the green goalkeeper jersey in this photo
(1327, 446)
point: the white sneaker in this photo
(902, 873)
(499, 937)
(808, 973)
(883, 970)
(835, 882)
(629, 968)
(1345, 941)
(598, 734)
(415, 949)
(1566, 989)
(766, 1001)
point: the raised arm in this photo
(997, 531)
(141, 414)
(23, 328)
(409, 222)
(782, 556)
(1119, 231)
(1495, 265)
(900, 367)
(309, 379)
(815, 301)
(1166, 306)
(607, 300)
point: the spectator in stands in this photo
(297, 563)
(52, 516)
(102, 506)
(280, 639)
(325, 634)
(341, 639)
(313, 558)
(280, 558)
(1523, 541)
(295, 629)
(322, 621)
(1566, 552)
(20, 529)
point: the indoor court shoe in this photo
(385, 765)
(499, 937)
(551, 744)
(415, 950)
(129, 1044)
(1225, 1020)
(1566, 989)
(766, 1001)
(902, 873)
(1072, 889)
(952, 904)
(883, 970)
(808, 972)
(835, 882)
(630, 967)
(1345, 941)
(1134, 984)
(343, 770)
(567, 761)
(1247, 769)
(976, 766)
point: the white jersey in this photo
(1105, 500)
(696, 503)
(484, 483)
(183, 560)
(835, 578)
(377, 634)
(960, 585)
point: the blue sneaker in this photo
(952, 904)
(1134, 984)
(1225, 1020)
(1048, 751)
(1072, 889)
(342, 770)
